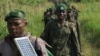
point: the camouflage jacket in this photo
(57, 37)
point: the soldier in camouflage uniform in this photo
(16, 24)
(46, 17)
(49, 16)
(53, 17)
(57, 33)
(74, 39)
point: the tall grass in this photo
(89, 18)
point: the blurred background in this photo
(89, 18)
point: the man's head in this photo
(16, 22)
(51, 10)
(61, 11)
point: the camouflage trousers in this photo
(63, 52)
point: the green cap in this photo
(61, 7)
(15, 14)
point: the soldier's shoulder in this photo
(40, 40)
(50, 24)
(35, 38)
(53, 22)
(32, 38)
(1, 42)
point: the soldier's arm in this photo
(42, 47)
(78, 31)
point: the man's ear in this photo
(25, 21)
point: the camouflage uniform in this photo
(57, 37)
(46, 18)
(49, 16)
(73, 42)
(74, 39)
(57, 33)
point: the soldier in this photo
(74, 39)
(57, 32)
(53, 17)
(16, 24)
(49, 15)
(46, 18)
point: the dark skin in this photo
(61, 16)
(16, 27)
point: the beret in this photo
(15, 14)
(61, 7)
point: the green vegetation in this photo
(84, 1)
(89, 20)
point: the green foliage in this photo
(30, 2)
(89, 19)
(34, 15)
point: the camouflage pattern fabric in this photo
(74, 43)
(74, 39)
(49, 16)
(57, 37)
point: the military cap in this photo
(61, 7)
(15, 14)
